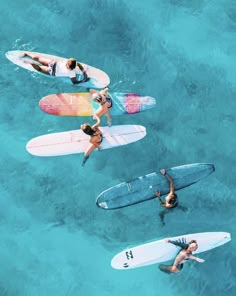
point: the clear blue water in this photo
(54, 240)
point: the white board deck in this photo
(160, 251)
(76, 141)
(98, 78)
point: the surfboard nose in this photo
(101, 204)
(227, 236)
(223, 238)
(212, 167)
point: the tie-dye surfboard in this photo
(81, 104)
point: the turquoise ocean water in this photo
(54, 239)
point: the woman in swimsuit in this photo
(95, 138)
(57, 68)
(171, 198)
(105, 103)
(184, 255)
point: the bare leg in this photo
(108, 118)
(90, 148)
(43, 69)
(43, 61)
(182, 208)
(162, 216)
(93, 91)
(101, 111)
(168, 269)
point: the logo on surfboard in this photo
(129, 255)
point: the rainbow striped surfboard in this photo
(81, 104)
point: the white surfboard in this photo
(160, 251)
(76, 141)
(98, 78)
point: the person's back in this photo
(171, 198)
(184, 254)
(105, 103)
(65, 69)
(59, 67)
(95, 138)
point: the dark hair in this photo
(193, 241)
(98, 99)
(72, 63)
(87, 129)
(174, 200)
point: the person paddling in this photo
(171, 200)
(184, 254)
(105, 103)
(61, 68)
(95, 138)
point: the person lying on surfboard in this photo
(58, 68)
(95, 138)
(184, 254)
(171, 200)
(105, 103)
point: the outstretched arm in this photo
(75, 81)
(182, 208)
(162, 216)
(158, 194)
(104, 91)
(93, 91)
(96, 125)
(101, 92)
(86, 78)
(177, 243)
(196, 259)
(80, 67)
(172, 189)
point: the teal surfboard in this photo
(143, 188)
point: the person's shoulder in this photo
(60, 62)
(170, 195)
(183, 253)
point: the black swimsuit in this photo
(52, 68)
(94, 135)
(173, 202)
(108, 100)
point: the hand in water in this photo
(158, 193)
(163, 172)
(200, 260)
(86, 78)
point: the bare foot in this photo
(28, 61)
(158, 193)
(25, 55)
